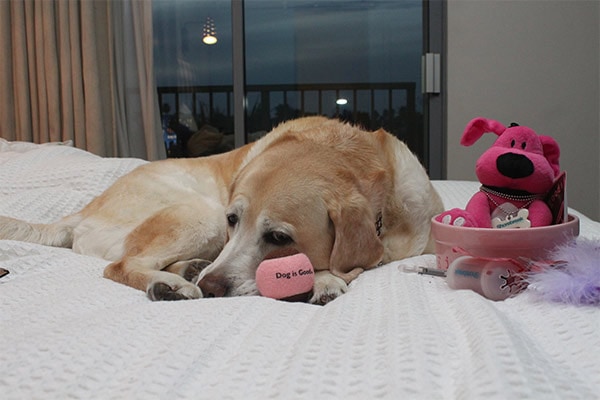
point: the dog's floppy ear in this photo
(477, 127)
(356, 244)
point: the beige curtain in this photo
(80, 70)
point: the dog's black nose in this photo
(514, 165)
(213, 286)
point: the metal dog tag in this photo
(509, 216)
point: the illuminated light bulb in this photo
(209, 39)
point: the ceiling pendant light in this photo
(209, 33)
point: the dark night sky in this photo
(291, 41)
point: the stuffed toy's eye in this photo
(523, 145)
(232, 219)
(512, 143)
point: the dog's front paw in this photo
(456, 217)
(188, 269)
(160, 290)
(327, 287)
(193, 268)
(246, 288)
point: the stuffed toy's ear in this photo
(477, 127)
(551, 152)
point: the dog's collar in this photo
(378, 228)
(379, 223)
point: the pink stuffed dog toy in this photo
(516, 174)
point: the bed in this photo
(66, 332)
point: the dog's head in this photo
(295, 198)
(519, 159)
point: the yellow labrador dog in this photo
(187, 228)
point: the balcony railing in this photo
(391, 106)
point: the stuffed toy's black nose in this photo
(514, 165)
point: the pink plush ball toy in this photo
(288, 278)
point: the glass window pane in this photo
(194, 79)
(352, 59)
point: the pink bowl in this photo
(452, 242)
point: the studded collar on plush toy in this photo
(509, 210)
(508, 194)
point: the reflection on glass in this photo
(357, 60)
(354, 60)
(194, 78)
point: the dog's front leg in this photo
(170, 246)
(145, 274)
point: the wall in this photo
(533, 62)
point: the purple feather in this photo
(577, 279)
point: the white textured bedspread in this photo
(66, 332)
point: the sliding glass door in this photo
(356, 60)
(194, 75)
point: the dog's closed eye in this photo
(232, 219)
(277, 238)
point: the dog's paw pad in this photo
(160, 291)
(193, 269)
(324, 298)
